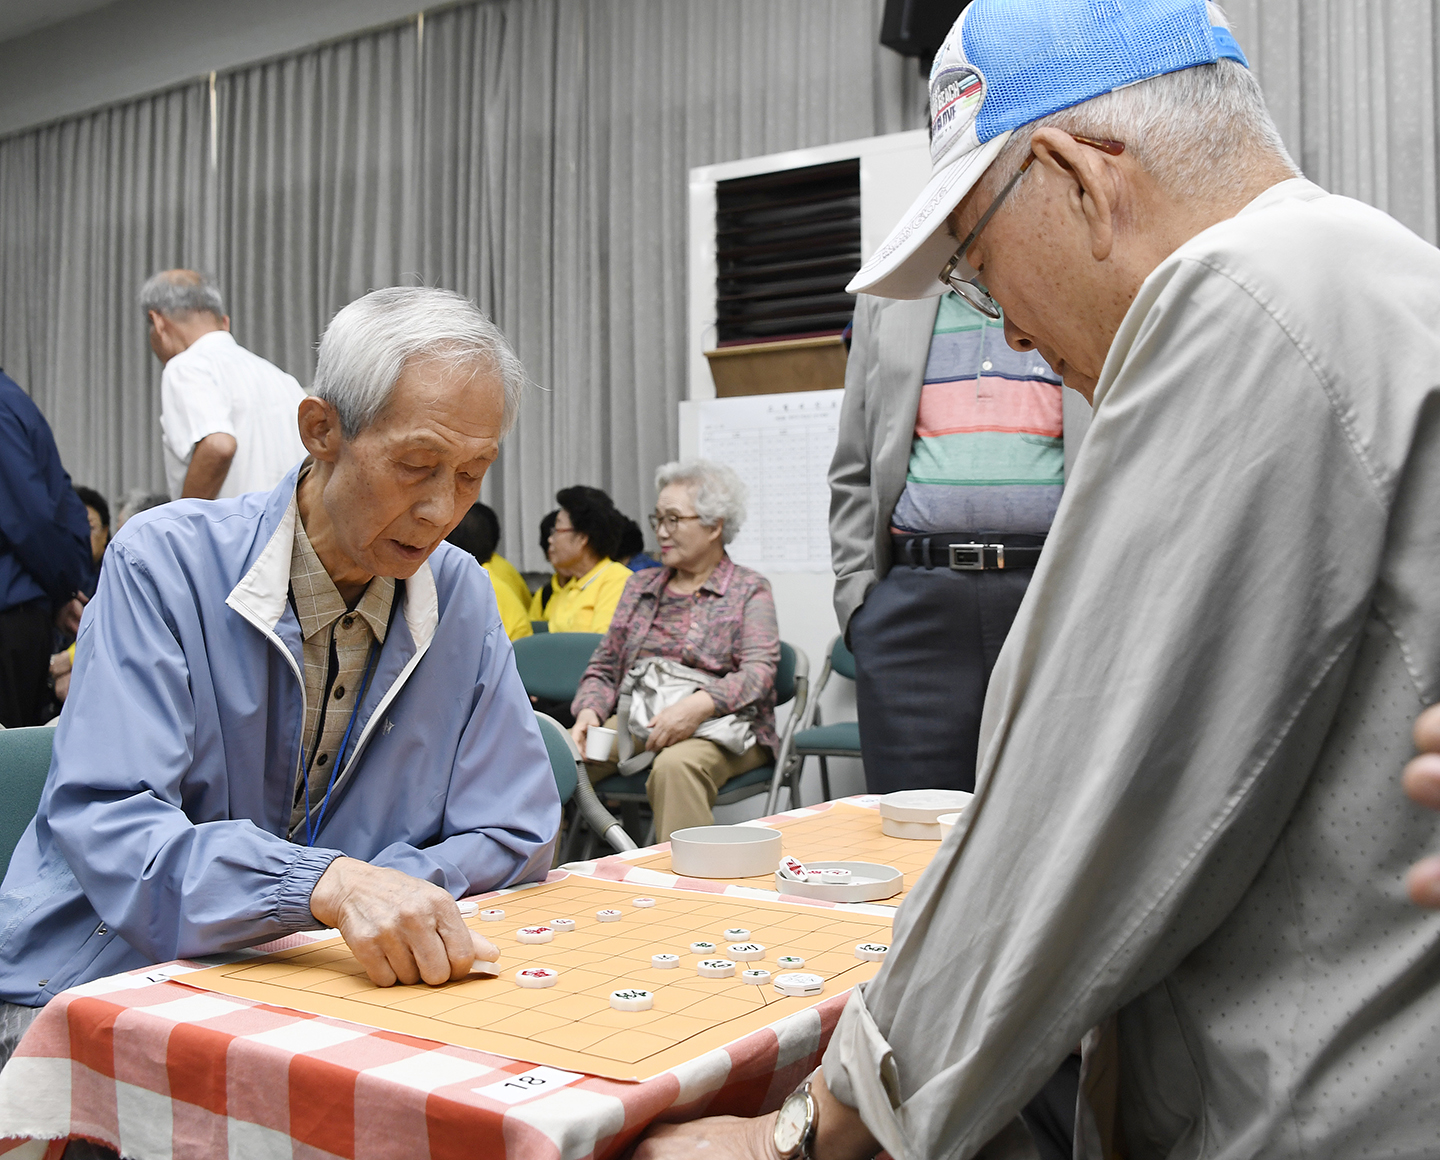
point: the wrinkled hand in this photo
(60, 663)
(719, 1137)
(67, 620)
(1422, 783)
(679, 721)
(583, 720)
(401, 929)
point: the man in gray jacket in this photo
(1187, 843)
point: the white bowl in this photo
(724, 851)
(948, 822)
(915, 813)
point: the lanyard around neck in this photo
(313, 824)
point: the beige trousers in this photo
(685, 779)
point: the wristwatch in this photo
(795, 1125)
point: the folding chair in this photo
(572, 780)
(24, 765)
(814, 739)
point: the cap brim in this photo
(908, 264)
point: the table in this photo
(163, 1070)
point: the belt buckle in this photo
(971, 557)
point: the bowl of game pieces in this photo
(724, 851)
(948, 822)
(838, 881)
(916, 813)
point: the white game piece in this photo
(799, 984)
(484, 967)
(534, 934)
(468, 908)
(716, 968)
(832, 874)
(794, 868)
(632, 1000)
(701, 948)
(609, 915)
(563, 925)
(665, 962)
(536, 977)
(759, 978)
(872, 951)
(789, 962)
(736, 934)
(642, 903)
(745, 952)
(491, 915)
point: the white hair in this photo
(369, 343)
(178, 293)
(1197, 131)
(717, 491)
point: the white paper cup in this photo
(598, 743)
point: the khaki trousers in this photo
(685, 779)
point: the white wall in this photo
(134, 47)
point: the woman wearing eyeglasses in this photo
(708, 613)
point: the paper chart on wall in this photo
(782, 446)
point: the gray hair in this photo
(369, 343)
(135, 501)
(177, 293)
(1195, 131)
(717, 491)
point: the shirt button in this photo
(42, 982)
(322, 759)
(347, 622)
(339, 692)
(987, 365)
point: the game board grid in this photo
(572, 1024)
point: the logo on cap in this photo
(955, 96)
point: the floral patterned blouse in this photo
(726, 628)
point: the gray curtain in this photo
(533, 154)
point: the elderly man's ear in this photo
(320, 428)
(1094, 184)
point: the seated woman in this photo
(705, 611)
(588, 581)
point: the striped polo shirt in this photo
(989, 453)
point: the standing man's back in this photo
(228, 416)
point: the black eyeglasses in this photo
(962, 277)
(670, 521)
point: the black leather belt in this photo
(961, 555)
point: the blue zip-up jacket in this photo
(44, 531)
(161, 830)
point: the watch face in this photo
(791, 1123)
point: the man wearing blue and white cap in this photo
(1187, 845)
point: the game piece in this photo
(609, 915)
(491, 915)
(736, 934)
(536, 977)
(534, 934)
(468, 908)
(485, 967)
(642, 903)
(874, 952)
(790, 962)
(799, 984)
(794, 868)
(831, 874)
(716, 968)
(563, 925)
(758, 977)
(701, 948)
(632, 1000)
(745, 952)
(665, 962)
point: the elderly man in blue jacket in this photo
(299, 709)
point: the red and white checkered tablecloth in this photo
(156, 1070)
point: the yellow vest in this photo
(513, 615)
(506, 575)
(587, 604)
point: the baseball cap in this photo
(1006, 63)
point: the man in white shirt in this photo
(228, 416)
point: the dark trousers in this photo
(925, 641)
(25, 639)
(1050, 1116)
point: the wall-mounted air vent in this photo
(786, 243)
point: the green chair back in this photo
(562, 760)
(842, 660)
(785, 675)
(551, 665)
(24, 765)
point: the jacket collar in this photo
(261, 594)
(717, 582)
